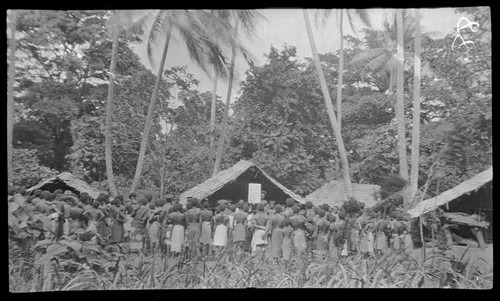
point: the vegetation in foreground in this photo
(71, 265)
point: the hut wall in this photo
(238, 189)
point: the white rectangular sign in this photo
(254, 190)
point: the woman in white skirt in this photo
(179, 222)
(220, 236)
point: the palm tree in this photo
(215, 55)
(10, 97)
(213, 111)
(400, 117)
(329, 107)
(193, 27)
(383, 59)
(118, 22)
(351, 15)
(247, 20)
(415, 145)
(220, 147)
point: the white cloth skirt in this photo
(258, 239)
(220, 236)
(177, 238)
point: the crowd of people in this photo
(164, 225)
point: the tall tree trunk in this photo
(329, 108)
(400, 118)
(222, 137)
(341, 72)
(162, 177)
(10, 96)
(415, 143)
(212, 114)
(149, 117)
(109, 113)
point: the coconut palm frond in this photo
(361, 14)
(364, 16)
(216, 29)
(220, 62)
(248, 20)
(392, 63)
(350, 17)
(321, 16)
(155, 30)
(137, 27)
(247, 55)
(373, 66)
(367, 56)
(196, 46)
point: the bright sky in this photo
(286, 26)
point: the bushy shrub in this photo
(26, 168)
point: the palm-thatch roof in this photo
(233, 182)
(464, 219)
(333, 193)
(66, 181)
(466, 187)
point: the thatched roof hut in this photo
(333, 193)
(463, 188)
(66, 181)
(232, 183)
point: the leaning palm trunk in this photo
(415, 145)
(10, 97)
(416, 127)
(341, 71)
(149, 117)
(109, 113)
(212, 114)
(400, 118)
(222, 137)
(162, 177)
(329, 107)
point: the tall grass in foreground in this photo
(394, 270)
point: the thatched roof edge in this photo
(471, 184)
(333, 193)
(216, 182)
(70, 180)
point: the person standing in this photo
(333, 236)
(310, 212)
(381, 237)
(193, 226)
(179, 224)
(277, 220)
(220, 221)
(298, 236)
(321, 234)
(250, 227)
(407, 241)
(230, 227)
(138, 225)
(344, 234)
(75, 218)
(117, 214)
(287, 244)
(239, 232)
(206, 220)
(94, 215)
(261, 228)
(288, 210)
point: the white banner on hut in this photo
(254, 190)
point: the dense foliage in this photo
(68, 265)
(278, 120)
